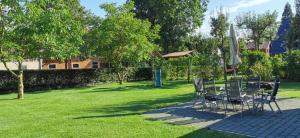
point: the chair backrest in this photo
(239, 79)
(275, 90)
(198, 85)
(234, 90)
(209, 87)
(253, 84)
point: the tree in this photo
(287, 17)
(219, 27)
(296, 26)
(292, 38)
(206, 56)
(122, 38)
(258, 24)
(288, 12)
(92, 22)
(37, 29)
(297, 5)
(177, 18)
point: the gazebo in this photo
(175, 55)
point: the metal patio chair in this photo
(236, 96)
(212, 97)
(199, 92)
(269, 96)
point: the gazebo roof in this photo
(178, 54)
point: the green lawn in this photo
(108, 110)
(289, 90)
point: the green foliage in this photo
(250, 59)
(175, 69)
(207, 66)
(278, 65)
(38, 29)
(54, 79)
(219, 26)
(177, 19)
(297, 5)
(264, 70)
(122, 37)
(293, 66)
(288, 12)
(259, 25)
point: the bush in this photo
(293, 66)
(262, 70)
(278, 65)
(250, 59)
(54, 79)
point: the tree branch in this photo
(5, 65)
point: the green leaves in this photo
(41, 29)
(177, 18)
(258, 24)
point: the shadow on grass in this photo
(140, 86)
(205, 133)
(137, 107)
(109, 115)
(8, 99)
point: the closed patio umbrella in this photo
(234, 49)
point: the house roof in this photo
(178, 54)
(265, 45)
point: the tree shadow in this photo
(8, 99)
(108, 116)
(136, 107)
(140, 86)
(207, 133)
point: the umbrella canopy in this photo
(234, 48)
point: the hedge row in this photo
(53, 79)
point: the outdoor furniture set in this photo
(253, 94)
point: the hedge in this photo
(54, 79)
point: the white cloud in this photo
(245, 4)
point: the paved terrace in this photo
(265, 124)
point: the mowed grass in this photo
(289, 90)
(106, 111)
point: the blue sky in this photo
(233, 7)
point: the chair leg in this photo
(271, 107)
(226, 108)
(203, 104)
(242, 110)
(277, 107)
(233, 107)
(248, 105)
(195, 102)
(256, 107)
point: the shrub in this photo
(278, 65)
(262, 69)
(53, 79)
(293, 66)
(250, 59)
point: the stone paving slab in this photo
(264, 124)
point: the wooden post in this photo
(189, 69)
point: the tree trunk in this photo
(120, 78)
(66, 64)
(20, 85)
(224, 66)
(257, 44)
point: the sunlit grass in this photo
(108, 110)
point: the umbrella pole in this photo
(234, 71)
